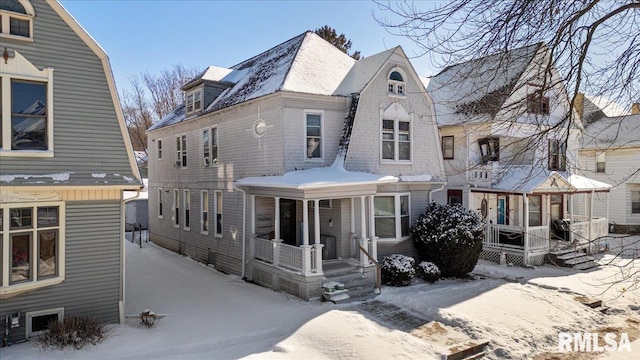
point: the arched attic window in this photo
(16, 19)
(396, 83)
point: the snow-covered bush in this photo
(397, 269)
(450, 237)
(428, 271)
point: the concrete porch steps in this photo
(342, 287)
(571, 258)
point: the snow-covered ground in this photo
(215, 316)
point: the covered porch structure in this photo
(547, 212)
(302, 221)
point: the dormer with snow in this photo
(201, 91)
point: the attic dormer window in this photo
(396, 83)
(194, 101)
(538, 104)
(16, 19)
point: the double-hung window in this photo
(210, 146)
(313, 134)
(396, 83)
(31, 245)
(600, 162)
(181, 151)
(204, 206)
(194, 101)
(535, 210)
(447, 147)
(160, 195)
(396, 140)
(391, 213)
(176, 207)
(635, 201)
(26, 116)
(218, 212)
(538, 104)
(557, 155)
(16, 20)
(159, 142)
(187, 208)
(489, 149)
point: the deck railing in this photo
(535, 241)
(303, 259)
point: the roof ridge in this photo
(301, 36)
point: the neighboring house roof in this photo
(330, 176)
(73, 178)
(477, 89)
(612, 132)
(530, 179)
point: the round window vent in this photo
(259, 128)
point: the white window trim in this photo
(176, 204)
(192, 94)
(322, 142)
(204, 199)
(30, 315)
(19, 68)
(159, 149)
(6, 24)
(396, 141)
(395, 84)
(186, 200)
(210, 162)
(160, 204)
(215, 213)
(180, 152)
(6, 290)
(396, 204)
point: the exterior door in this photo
(288, 221)
(556, 207)
(503, 210)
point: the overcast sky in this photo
(152, 35)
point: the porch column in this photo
(276, 221)
(306, 248)
(352, 231)
(363, 231)
(317, 246)
(525, 255)
(253, 213)
(591, 217)
(571, 226)
(373, 250)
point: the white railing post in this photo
(252, 245)
(276, 225)
(276, 251)
(306, 259)
(317, 248)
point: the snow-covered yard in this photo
(216, 316)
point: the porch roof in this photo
(528, 179)
(317, 178)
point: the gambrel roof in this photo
(476, 90)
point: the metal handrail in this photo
(378, 269)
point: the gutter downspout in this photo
(244, 228)
(436, 190)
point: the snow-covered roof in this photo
(69, 178)
(305, 64)
(612, 132)
(142, 195)
(531, 179)
(315, 178)
(477, 89)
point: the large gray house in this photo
(295, 162)
(65, 160)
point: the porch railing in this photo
(535, 241)
(302, 259)
(538, 238)
(585, 231)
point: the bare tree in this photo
(595, 44)
(152, 96)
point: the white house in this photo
(610, 153)
(510, 152)
(294, 164)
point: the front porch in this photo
(553, 214)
